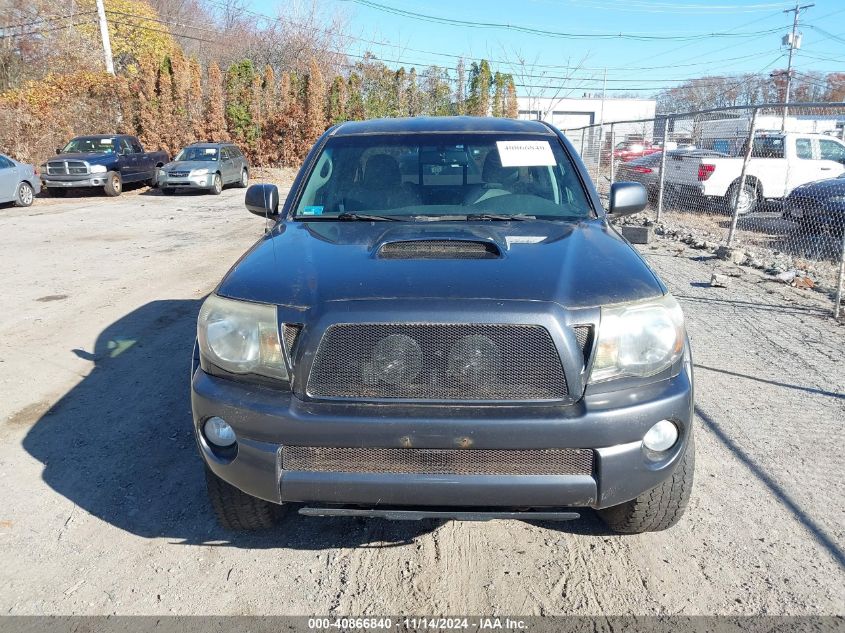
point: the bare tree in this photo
(545, 88)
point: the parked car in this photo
(779, 163)
(208, 166)
(19, 182)
(404, 346)
(104, 160)
(631, 149)
(819, 206)
(646, 170)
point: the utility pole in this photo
(104, 33)
(601, 128)
(793, 45)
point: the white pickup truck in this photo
(778, 164)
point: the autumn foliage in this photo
(274, 113)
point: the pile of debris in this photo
(779, 266)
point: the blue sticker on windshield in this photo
(315, 210)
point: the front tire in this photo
(217, 185)
(114, 184)
(659, 508)
(236, 510)
(24, 195)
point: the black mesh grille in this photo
(290, 332)
(584, 335)
(429, 461)
(439, 249)
(437, 361)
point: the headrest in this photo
(382, 172)
(494, 172)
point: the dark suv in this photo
(442, 323)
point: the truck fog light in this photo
(218, 432)
(661, 437)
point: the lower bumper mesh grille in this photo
(431, 461)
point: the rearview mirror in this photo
(626, 198)
(263, 200)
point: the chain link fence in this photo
(760, 185)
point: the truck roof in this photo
(445, 124)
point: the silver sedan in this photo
(18, 182)
(208, 166)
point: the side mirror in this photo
(263, 200)
(58, 150)
(626, 198)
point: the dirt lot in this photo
(104, 509)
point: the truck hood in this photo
(86, 156)
(580, 264)
(829, 187)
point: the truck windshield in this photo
(90, 144)
(208, 154)
(443, 177)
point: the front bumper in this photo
(188, 182)
(612, 424)
(64, 182)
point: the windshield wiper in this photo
(364, 217)
(500, 217)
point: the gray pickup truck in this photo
(442, 322)
(107, 160)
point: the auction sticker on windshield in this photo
(525, 153)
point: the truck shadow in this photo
(120, 445)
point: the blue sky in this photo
(632, 64)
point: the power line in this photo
(161, 21)
(609, 69)
(578, 82)
(645, 7)
(42, 31)
(547, 33)
(148, 28)
(47, 19)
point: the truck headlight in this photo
(98, 169)
(638, 339)
(199, 172)
(241, 337)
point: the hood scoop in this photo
(439, 249)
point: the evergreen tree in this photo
(239, 98)
(337, 101)
(354, 99)
(148, 122)
(315, 103)
(164, 98)
(214, 112)
(195, 124)
(180, 67)
(511, 104)
(499, 94)
(478, 102)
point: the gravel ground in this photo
(104, 507)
